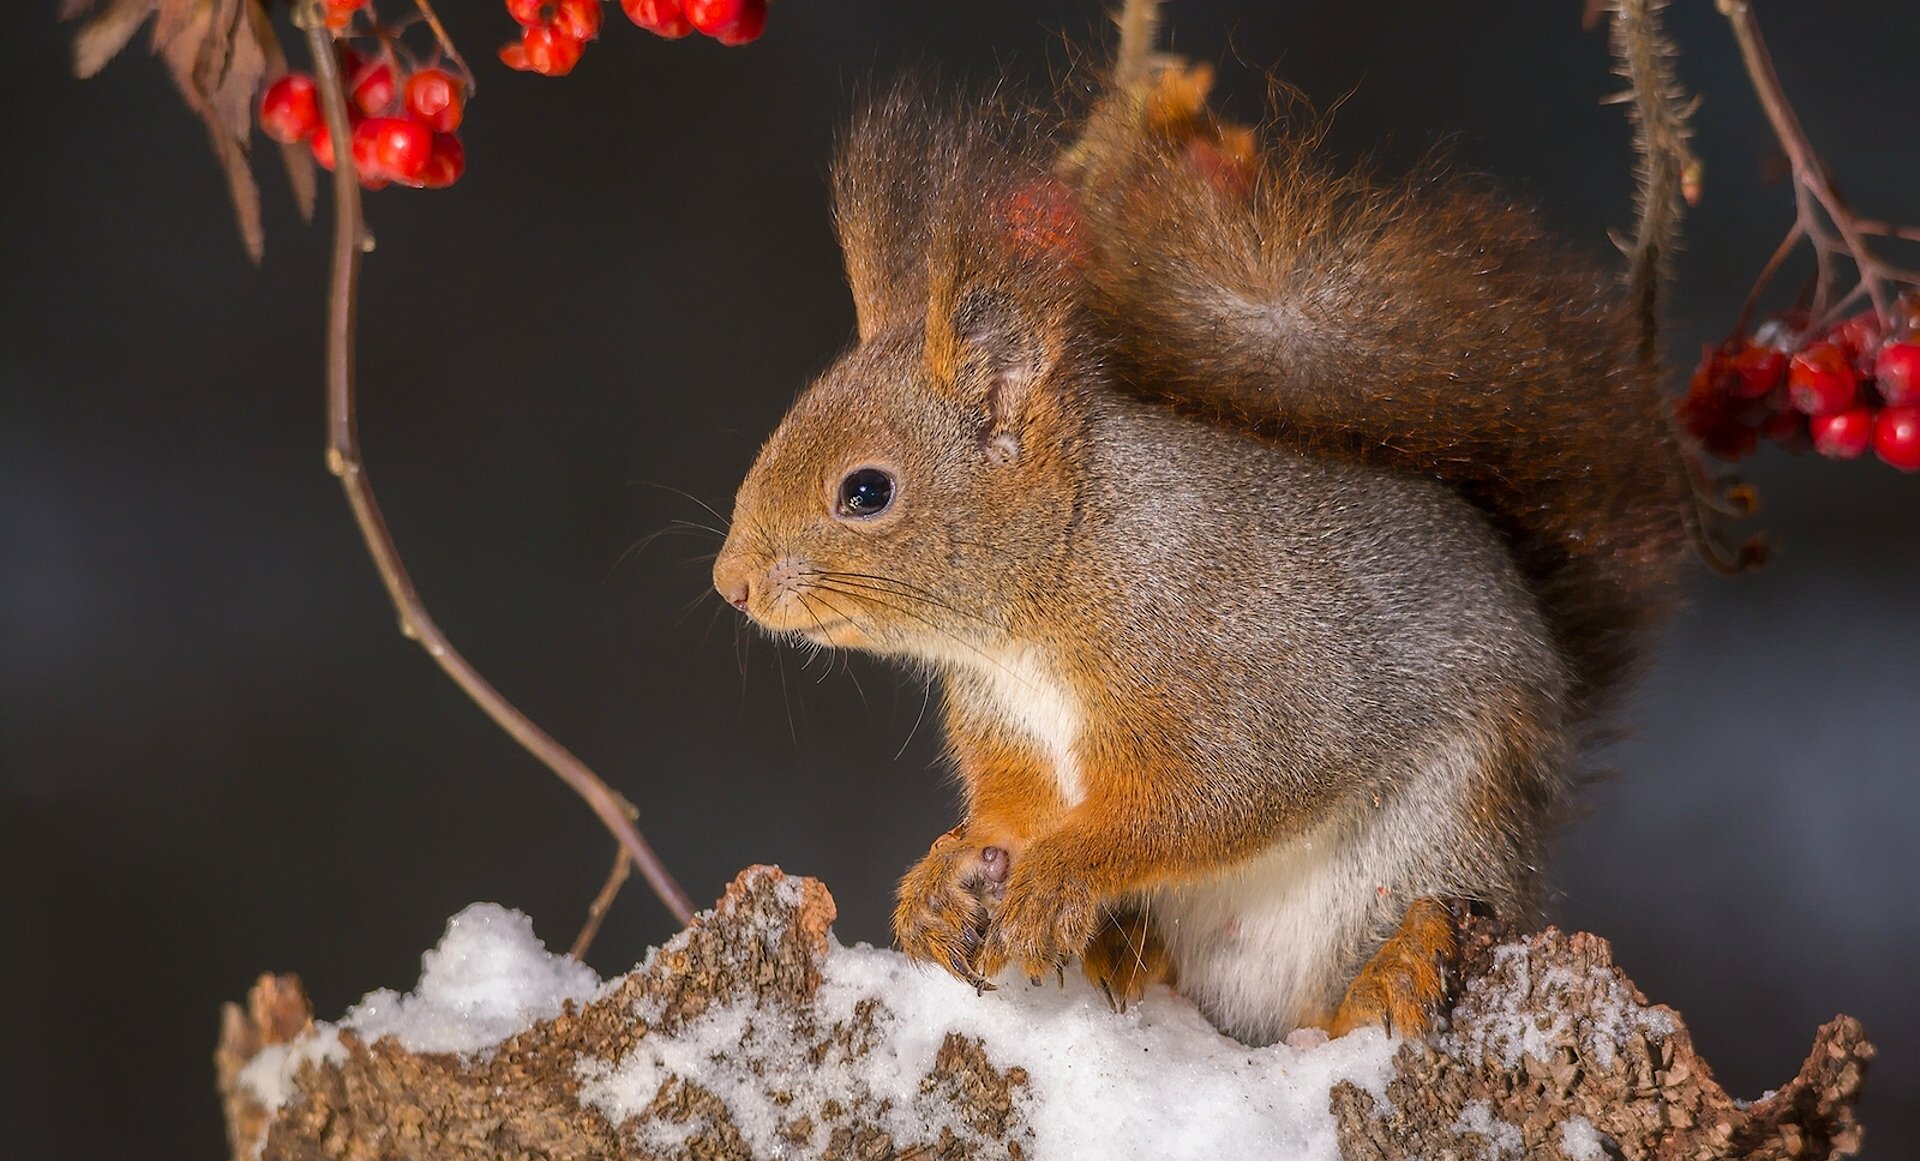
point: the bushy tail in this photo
(1427, 324)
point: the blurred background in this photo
(217, 756)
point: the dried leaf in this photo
(104, 36)
(297, 158)
(219, 52)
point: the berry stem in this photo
(446, 43)
(1812, 186)
(350, 241)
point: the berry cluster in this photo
(1841, 390)
(403, 122)
(554, 33)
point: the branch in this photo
(1813, 193)
(350, 241)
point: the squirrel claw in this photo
(1404, 984)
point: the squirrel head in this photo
(908, 501)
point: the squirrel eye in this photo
(865, 492)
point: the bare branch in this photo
(350, 241)
(1821, 215)
(597, 911)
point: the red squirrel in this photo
(1277, 537)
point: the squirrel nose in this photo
(730, 575)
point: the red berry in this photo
(547, 51)
(579, 19)
(433, 99)
(291, 109)
(339, 13)
(660, 17)
(373, 89)
(447, 162)
(712, 16)
(400, 148)
(322, 145)
(1821, 380)
(1898, 372)
(1844, 435)
(1896, 437)
(366, 154)
(1756, 371)
(531, 13)
(746, 27)
(1858, 337)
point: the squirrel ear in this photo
(992, 353)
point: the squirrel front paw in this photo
(1047, 917)
(946, 902)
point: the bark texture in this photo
(1550, 1052)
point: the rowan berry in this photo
(394, 147)
(373, 89)
(322, 145)
(339, 13)
(446, 163)
(1897, 370)
(660, 17)
(531, 13)
(1756, 371)
(291, 108)
(1821, 380)
(433, 99)
(579, 19)
(546, 51)
(1896, 437)
(1843, 435)
(712, 16)
(747, 26)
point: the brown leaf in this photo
(218, 52)
(297, 157)
(102, 38)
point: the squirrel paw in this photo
(1047, 917)
(1126, 957)
(1404, 984)
(944, 904)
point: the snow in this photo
(1503, 1138)
(1156, 1082)
(1518, 1027)
(488, 979)
(1580, 1141)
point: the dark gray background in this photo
(217, 756)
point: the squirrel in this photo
(1278, 539)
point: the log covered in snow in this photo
(755, 1034)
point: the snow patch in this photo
(1503, 1138)
(489, 978)
(1580, 1141)
(1518, 1025)
(1157, 1082)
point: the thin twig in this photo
(350, 240)
(1813, 186)
(597, 911)
(446, 42)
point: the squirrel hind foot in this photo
(1126, 957)
(1403, 986)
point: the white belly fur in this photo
(1266, 946)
